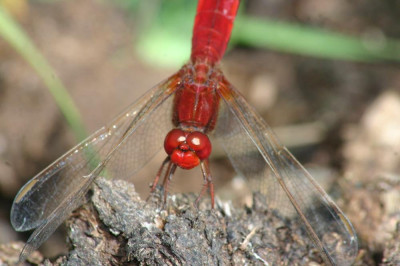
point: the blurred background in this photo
(325, 75)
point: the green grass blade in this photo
(310, 41)
(16, 37)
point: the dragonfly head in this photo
(187, 149)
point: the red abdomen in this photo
(212, 29)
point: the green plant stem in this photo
(305, 40)
(15, 36)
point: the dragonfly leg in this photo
(205, 169)
(160, 171)
(168, 176)
(155, 182)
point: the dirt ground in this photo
(340, 119)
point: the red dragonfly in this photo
(181, 113)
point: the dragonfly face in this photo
(187, 149)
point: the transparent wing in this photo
(287, 187)
(117, 150)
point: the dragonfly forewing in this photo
(288, 188)
(117, 150)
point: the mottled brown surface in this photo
(372, 174)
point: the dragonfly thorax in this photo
(196, 102)
(187, 149)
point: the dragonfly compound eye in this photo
(173, 139)
(200, 143)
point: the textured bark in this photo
(116, 227)
(119, 228)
